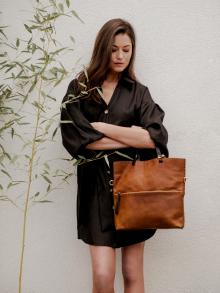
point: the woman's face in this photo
(121, 52)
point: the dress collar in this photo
(127, 81)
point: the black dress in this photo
(130, 104)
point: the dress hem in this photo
(112, 245)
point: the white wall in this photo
(178, 58)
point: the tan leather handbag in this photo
(149, 194)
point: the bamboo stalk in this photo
(30, 173)
(28, 195)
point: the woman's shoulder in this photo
(141, 89)
(72, 89)
(141, 85)
(142, 92)
(73, 84)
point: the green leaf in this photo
(33, 27)
(17, 42)
(40, 140)
(72, 39)
(12, 184)
(6, 173)
(76, 15)
(52, 98)
(124, 155)
(100, 92)
(46, 178)
(12, 132)
(99, 154)
(25, 99)
(53, 2)
(26, 60)
(59, 80)
(60, 5)
(38, 105)
(58, 51)
(10, 68)
(81, 157)
(54, 133)
(4, 198)
(66, 121)
(46, 165)
(67, 176)
(106, 160)
(2, 32)
(68, 3)
(27, 28)
(33, 85)
(82, 84)
(43, 201)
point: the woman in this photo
(121, 116)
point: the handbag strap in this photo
(136, 157)
(160, 156)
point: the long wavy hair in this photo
(98, 68)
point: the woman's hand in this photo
(134, 126)
(134, 136)
(98, 126)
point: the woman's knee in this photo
(103, 267)
(103, 280)
(132, 263)
(131, 274)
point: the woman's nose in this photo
(119, 54)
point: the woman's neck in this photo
(113, 77)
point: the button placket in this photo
(110, 181)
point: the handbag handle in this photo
(160, 156)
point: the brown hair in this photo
(98, 67)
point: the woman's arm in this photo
(134, 136)
(106, 143)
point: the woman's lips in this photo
(119, 64)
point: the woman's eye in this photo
(125, 51)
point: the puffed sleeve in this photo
(76, 131)
(151, 118)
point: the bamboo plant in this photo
(31, 69)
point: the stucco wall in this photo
(178, 58)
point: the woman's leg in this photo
(103, 268)
(132, 267)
